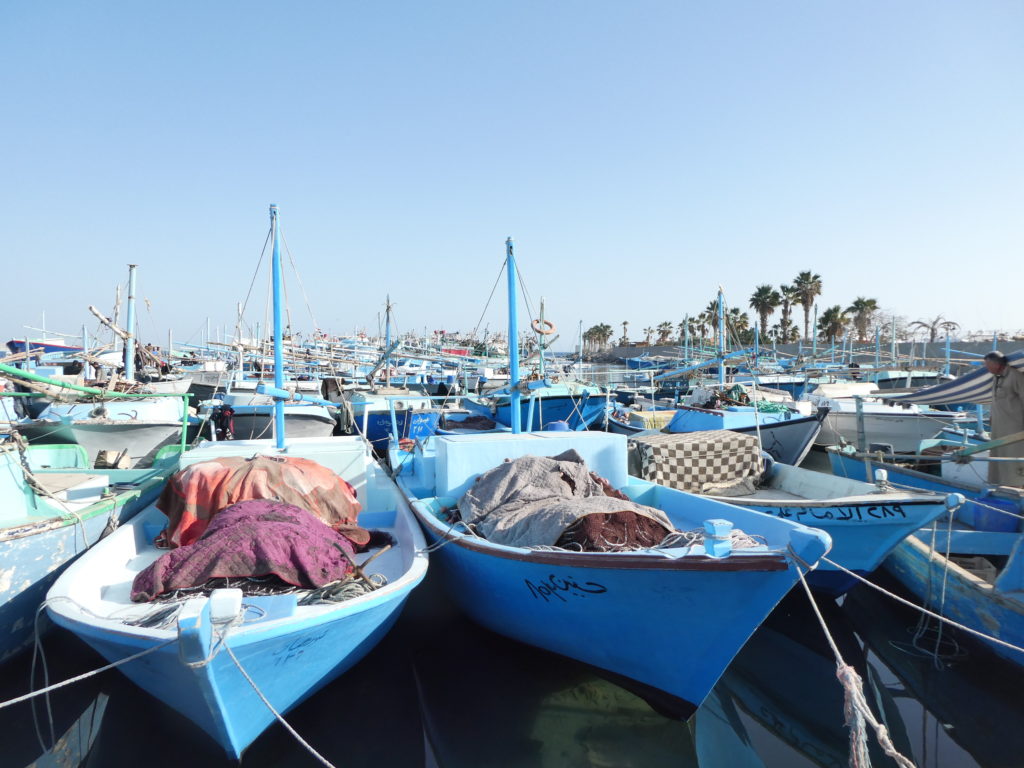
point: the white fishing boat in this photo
(899, 427)
(234, 664)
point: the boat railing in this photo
(34, 378)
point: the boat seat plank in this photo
(970, 542)
(59, 482)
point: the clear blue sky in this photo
(641, 153)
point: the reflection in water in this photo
(966, 713)
(784, 680)
(440, 691)
(490, 701)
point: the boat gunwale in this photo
(915, 500)
(736, 561)
(34, 527)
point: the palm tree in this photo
(935, 325)
(764, 300)
(832, 323)
(648, 333)
(625, 339)
(808, 288)
(736, 321)
(710, 316)
(664, 332)
(698, 327)
(681, 328)
(862, 309)
(598, 336)
(789, 299)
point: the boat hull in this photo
(641, 624)
(577, 411)
(141, 439)
(788, 442)
(32, 556)
(969, 599)
(903, 432)
(259, 423)
(863, 533)
(287, 667)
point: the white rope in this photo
(86, 675)
(856, 708)
(305, 744)
(940, 617)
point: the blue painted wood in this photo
(275, 267)
(38, 539)
(573, 403)
(671, 620)
(290, 651)
(997, 609)
(288, 664)
(863, 534)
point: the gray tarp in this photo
(533, 500)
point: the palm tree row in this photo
(806, 287)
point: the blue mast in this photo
(515, 396)
(387, 341)
(278, 361)
(721, 338)
(129, 341)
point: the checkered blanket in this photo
(719, 461)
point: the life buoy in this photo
(543, 327)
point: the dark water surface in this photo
(440, 691)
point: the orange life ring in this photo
(543, 327)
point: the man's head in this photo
(996, 363)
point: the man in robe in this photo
(1007, 417)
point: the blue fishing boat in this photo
(371, 414)
(669, 617)
(865, 521)
(251, 415)
(786, 434)
(48, 346)
(53, 507)
(981, 582)
(603, 608)
(574, 403)
(137, 428)
(230, 665)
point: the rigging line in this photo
(526, 293)
(493, 289)
(255, 274)
(302, 288)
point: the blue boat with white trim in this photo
(668, 618)
(234, 664)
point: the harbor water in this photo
(440, 691)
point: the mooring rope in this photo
(856, 708)
(305, 744)
(922, 609)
